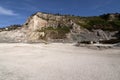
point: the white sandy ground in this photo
(57, 62)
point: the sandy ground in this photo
(57, 62)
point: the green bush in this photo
(60, 29)
(116, 24)
(99, 23)
(56, 33)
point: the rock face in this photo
(41, 20)
(37, 26)
(95, 35)
(49, 27)
(13, 36)
(35, 23)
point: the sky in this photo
(17, 11)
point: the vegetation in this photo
(60, 29)
(109, 22)
(103, 22)
(11, 27)
(56, 33)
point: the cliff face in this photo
(42, 20)
(49, 27)
(57, 27)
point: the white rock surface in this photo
(13, 36)
(36, 23)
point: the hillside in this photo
(65, 28)
(106, 22)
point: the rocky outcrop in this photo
(35, 23)
(50, 27)
(41, 20)
(38, 24)
(13, 36)
(95, 35)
